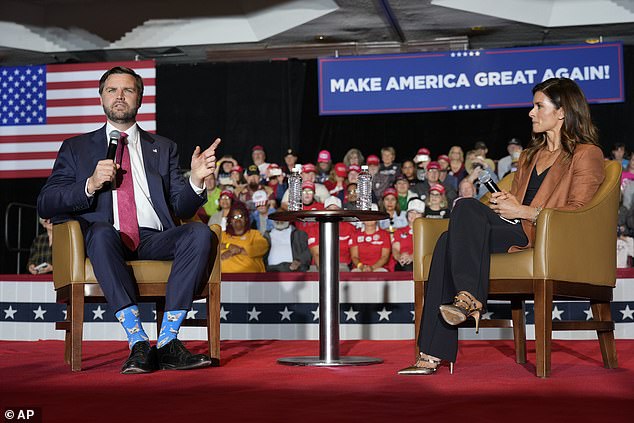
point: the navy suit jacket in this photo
(63, 196)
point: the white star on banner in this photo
(39, 313)
(65, 314)
(351, 314)
(589, 315)
(154, 311)
(384, 314)
(315, 314)
(627, 313)
(253, 314)
(191, 314)
(9, 313)
(487, 315)
(224, 313)
(98, 313)
(556, 313)
(286, 314)
(413, 315)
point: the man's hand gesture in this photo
(203, 163)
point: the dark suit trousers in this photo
(189, 246)
(461, 262)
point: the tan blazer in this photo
(565, 187)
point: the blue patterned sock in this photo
(129, 319)
(169, 327)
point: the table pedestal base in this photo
(316, 361)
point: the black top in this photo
(533, 185)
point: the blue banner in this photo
(465, 80)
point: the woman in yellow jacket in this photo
(242, 248)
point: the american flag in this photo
(40, 106)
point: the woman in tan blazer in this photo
(562, 168)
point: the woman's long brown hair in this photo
(577, 128)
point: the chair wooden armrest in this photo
(216, 275)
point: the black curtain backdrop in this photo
(245, 104)
(275, 104)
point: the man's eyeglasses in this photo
(237, 216)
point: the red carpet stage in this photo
(487, 385)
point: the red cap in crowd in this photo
(443, 157)
(309, 167)
(423, 151)
(308, 185)
(274, 169)
(323, 157)
(373, 160)
(227, 193)
(438, 188)
(341, 170)
(433, 165)
(390, 191)
(237, 168)
(257, 148)
(354, 168)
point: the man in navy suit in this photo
(103, 194)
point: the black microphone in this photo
(114, 137)
(485, 179)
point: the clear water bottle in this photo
(364, 189)
(295, 189)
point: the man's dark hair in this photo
(123, 70)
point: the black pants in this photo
(461, 262)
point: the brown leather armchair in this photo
(75, 284)
(574, 257)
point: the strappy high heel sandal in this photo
(425, 365)
(464, 306)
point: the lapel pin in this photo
(155, 150)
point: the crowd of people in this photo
(241, 199)
(625, 230)
(417, 187)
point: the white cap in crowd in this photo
(417, 205)
(332, 200)
(259, 198)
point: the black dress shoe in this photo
(174, 356)
(142, 359)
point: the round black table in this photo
(329, 284)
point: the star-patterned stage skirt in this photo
(285, 306)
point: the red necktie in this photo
(128, 223)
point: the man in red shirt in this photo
(309, 203)
(370, 249)
(347, 232)
(403, 243)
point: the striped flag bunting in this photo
(40, 106)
